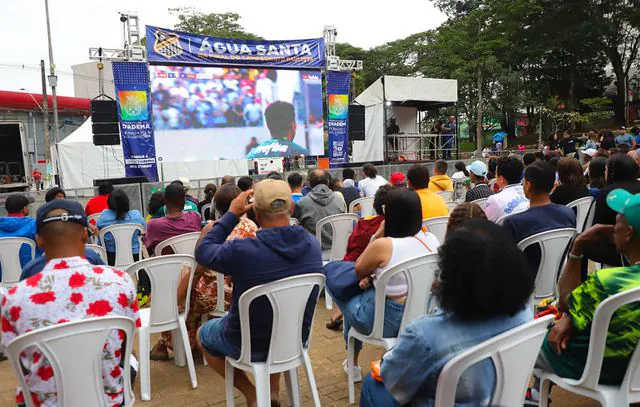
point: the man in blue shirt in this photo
(281, 121)
(278, 251)
(625, 138)
(542, 215)
(17, 223)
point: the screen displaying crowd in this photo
(192, 104)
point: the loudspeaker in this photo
(104, 111)
(104, 118)
(356, 123)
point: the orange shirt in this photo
(433, 205)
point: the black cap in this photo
(75, 213)
(16, 202)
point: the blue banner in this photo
(169, 46)
(338, 84)
(131, 81)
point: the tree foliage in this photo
(224, 25)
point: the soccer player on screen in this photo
(281, 121)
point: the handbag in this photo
(342, 282)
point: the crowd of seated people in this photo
(476, 300)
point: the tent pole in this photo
(385, 159)
(457, 135)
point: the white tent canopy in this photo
(81, 162)
(406, 92)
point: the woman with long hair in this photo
(399, 238)
(597, 168)
(572, 185)
(119, 212)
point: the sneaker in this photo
(357, 372)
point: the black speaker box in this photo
(104, 111)
(106, 139)
(356, 122)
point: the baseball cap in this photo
(16, 202)
(398, 179)
(186, 183)
(627, 204)
(74, 213)
(478, 168)
(272, 195)
(590, 152)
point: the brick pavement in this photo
(170, 385)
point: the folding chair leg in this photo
(203, 320)
(545, 389)
(145, 365)
(263, 387)
(178, 348)
(228, 378)
(293, 387)
(312, 380)
(186, 346)
(351, 344)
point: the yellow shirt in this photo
(439, 183)
(432, 204)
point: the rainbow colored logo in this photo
(133, 105)
(338, 106)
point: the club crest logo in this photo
(167, 44)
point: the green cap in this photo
(628, 205)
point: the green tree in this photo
(224, 25)
(616, 25)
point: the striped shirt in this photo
(480, 191)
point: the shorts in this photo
(214, 342)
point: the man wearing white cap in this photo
(477, 174)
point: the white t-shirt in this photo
(507, 202)
(369, 186)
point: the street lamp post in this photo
(53, 82)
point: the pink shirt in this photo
(161, 229)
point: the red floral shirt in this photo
(68, 290)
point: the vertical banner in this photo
(338, 84)
(131, 81)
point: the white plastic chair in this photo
(583, 206)
(437, 226)
(419, 273)
(482, 202)
(446, 195)
(182, 244)
(288, 298)
(122, 237)
(98, 249)
(553, 245)
(366, 206)
(513, 354)
(452, 205)
(341, 225)
(74, 351)
(207, 207)
(10, 258)
(587, 385)
(163, 314)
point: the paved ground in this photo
(170, 385)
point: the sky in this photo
(77, 25)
